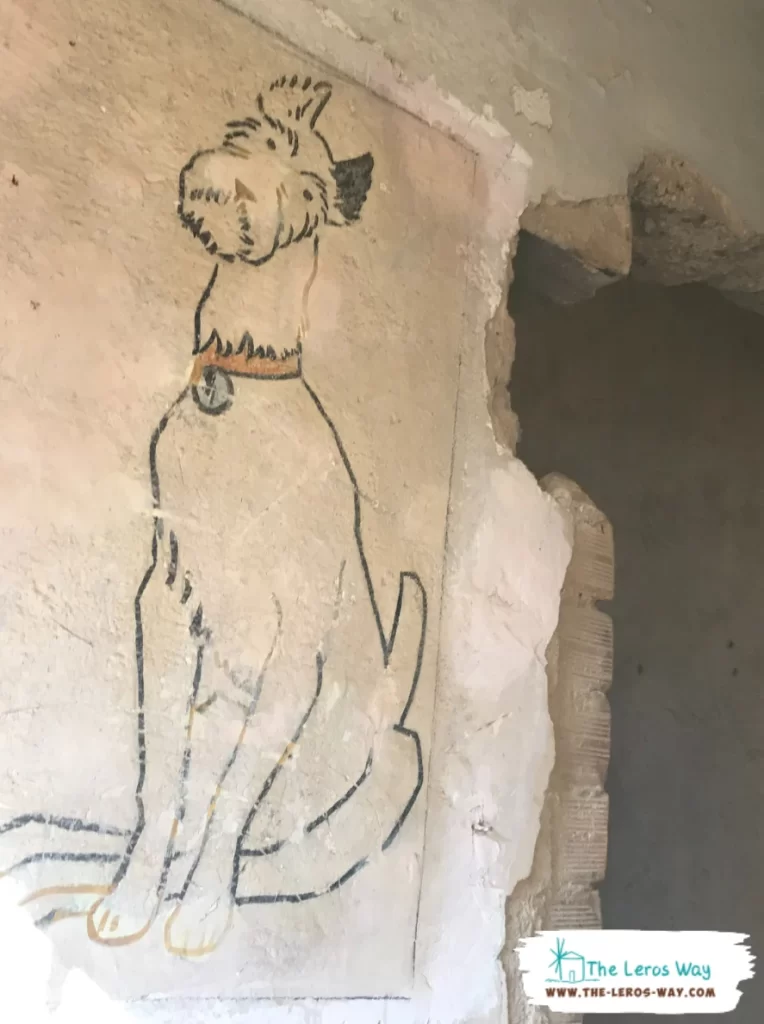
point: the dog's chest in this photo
(270, 458)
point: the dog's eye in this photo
(307, 195)
(271, 144)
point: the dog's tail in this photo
(405, 648)
(344, 829)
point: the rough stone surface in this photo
(499, 356)
(597, 231)
(571, 250)
(686, 230)
(274, 713)
(556, 273)
(681, 227)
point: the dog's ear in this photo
(323, 93)
(353, 180)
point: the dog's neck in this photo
(254, 320)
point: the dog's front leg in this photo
(267, 730)
(169, 659)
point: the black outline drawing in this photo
(333, 195)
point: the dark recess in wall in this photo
(652, 399)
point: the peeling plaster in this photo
(533, 105)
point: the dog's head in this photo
(273, 180)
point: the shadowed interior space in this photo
(652, 399)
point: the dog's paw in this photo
(124, 915)
(197, 925)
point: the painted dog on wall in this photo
(266, 677)
(274, 759)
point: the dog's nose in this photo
(243, 192)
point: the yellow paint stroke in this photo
(96, 932)
(67, 890)
(193, 951)
(305, 319)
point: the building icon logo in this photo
(567, 965)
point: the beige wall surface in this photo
(256, 513)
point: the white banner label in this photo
(635, 972)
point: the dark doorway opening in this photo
(652, 400)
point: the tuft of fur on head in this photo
(273, 180)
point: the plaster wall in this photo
(322, 502)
